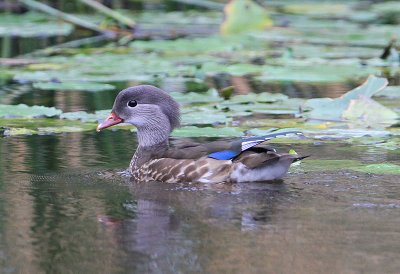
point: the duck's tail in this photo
(249, 142)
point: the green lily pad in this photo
(74, 86)
(319, 9)
(264, 97)
(233, 69)
(86, 117)
(21, 110)
(47, 130)
(32, 25)
(36, 123)
(352, 107)
(389, 92)
(369, 113)
(18, 131)
(196, 46)
(235, 110)
(314, 73)
(195, 97)
(388, 12)
(383, 168)
(205, 118)
(63, 129)
(192, 131)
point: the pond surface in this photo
(64, 209)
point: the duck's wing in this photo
(260, 156)
(219, 150)
(247, 143)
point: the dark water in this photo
(63, 209)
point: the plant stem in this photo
(64, 16)
(109, 12)
(203, 3)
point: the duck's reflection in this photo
(174, 223)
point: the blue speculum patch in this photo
(223, 155)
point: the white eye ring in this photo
(132, 103)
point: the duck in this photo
(156, 114)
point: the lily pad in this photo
(32, 25)
(344, 106)
(232, 69)
(197, 97)
(264, 97)
(86, 117)
(319, 9)
(383, 168)
(18, 131)
(205, 118)
(369, 112)
(192, 131)
(74, 86)
(389, 92)
(312, 73)
(244, 15)
(21, 110)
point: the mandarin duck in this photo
(155, 114)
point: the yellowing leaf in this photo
(244, 15)
(369, 112)
(45, 66)
(317, 8)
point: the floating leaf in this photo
(369, 112)
(196, 97)
(18, 131)
(319, 9)
(205, 117)
(383, 168)
(243, 16)
(341, 108)
(86, 117)
(264, 97)
(192, 131)
(388, 12)
(32, 25)
(49, 130)
(21, 110)
(73, 85)
(389, 92)
(234, 69)
(308, 72)
(45, 66)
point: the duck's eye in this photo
(132, 103)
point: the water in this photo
(64, 209)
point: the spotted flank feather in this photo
(205, 170)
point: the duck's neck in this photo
(152, 139)
(154, 133)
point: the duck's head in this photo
(148, 108)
